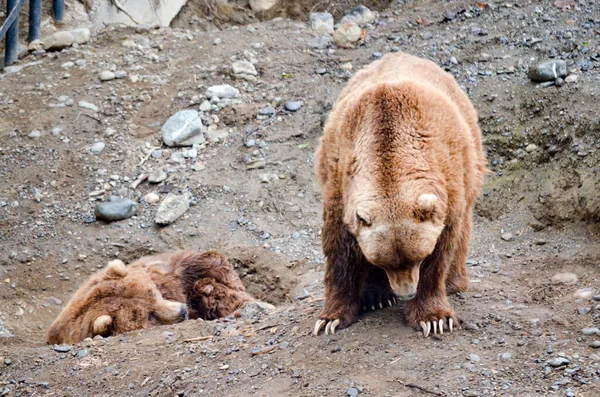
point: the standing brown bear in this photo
(401, 165)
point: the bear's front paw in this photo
(431, 316)
(336, 320)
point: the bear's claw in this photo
(436, 325)
(330, 327)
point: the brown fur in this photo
(158, 289)
(401, 165)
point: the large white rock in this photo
(81, 36)
(144, 12)
(58, 41)
(184, 128)
(243, 67)
(321, 22)
(223, 91)
(262, 5)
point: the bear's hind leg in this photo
(345, 273)
(377, 292)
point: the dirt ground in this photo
(537, 218)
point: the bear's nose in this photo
(183, 312)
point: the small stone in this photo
(590, 331)
(352, 392)
(58, 41)
(198, 166)
(548, 71)
(262, 5)
(292, 106)
(558, 362)
(54, 301)
(107, 75)
(255, 164)
(266, 111)
(62, 348)
(572, 78)
(224, 91)
(120, 74)
(584, 293)
(205, 106)
(87, 105)
(320, 71)
(83, 353)
(216, 135)
(56, 131)
(157, 154)
(507, 236)
(190, 154)
(320, 42)
(595, 344)
(254, 308)
(559, 82)
(67, 65)
(243, 67)
(453, 60)
(250, 143)
(506, 356)
(321, 22)
(97, 148)
(152, 198)
(157, 176)
(184, 128)
(474, 358)
(360, 15)
(564, 278)
(116, 210)
(531, 148)
(172, 207)
(347, 34)
(35, 134)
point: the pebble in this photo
(320, 71)
(584, 293)
(347, 34)
(171, 208)
(321, 22)
(531, 148)
(474, 358)
(558, 362)
(120, 74)
(507, 236)
(590, 331)
(87, 105)
(506, 356)
(62, 348)
(360, 15)
(572, 78)
(352, 392)
(152, 198)
(67, 65)
(250, 143)
(595, 344)
(54, 301)
(205, 106)
(184, 128)
(56, 131)
(216, 135)
(116, 210)
(564, 278)
(453, 60)
(547, 71)
(320, 42)
(97, 148)
(157, 176)
(254, 308)
(157, 154)
(255, 164)
(35, 134)
(266, 111)
(224, 91)
(107, 75)
(262, 5)
(292, 106)
(189, 154)
(243, 67)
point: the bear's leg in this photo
(430, 308)
(345, 273)
(377, 292)
(458, 280)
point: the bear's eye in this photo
(363, 220)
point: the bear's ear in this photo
(102, 325)
(425, 206)
(207, 289)
(116, 269)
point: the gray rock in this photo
(157, 176)
(171, 208)
(590, 331)
(352, 392)
(292, 106)
(558, 362)
(35, 134)
(4, 333)
(256, 164)
(205, 106)
(360, 15)
(151, 198)
(474, 358)
(97, 148)
(320, 71)
(266, 111)
(242, 67)
(217, 135)
(250, 143)
(507, 236)
(320, 42)
(595, 344)
(190, 154)
(87, 105)
(548, 71)
(253, 308)
(347, 34)
(224, 91)
(107, 75)
(116, 210)
(184, 128)
(120, 74)
(157, 154)
(505, 356)
(58, 41)
(571, 78)
(321, 22)
(62, 348)
(564, 278)
(54, 301)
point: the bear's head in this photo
(116, 300)
(397, 230)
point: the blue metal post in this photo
(12, 35)
(58, 7)
(35, 19)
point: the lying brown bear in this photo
(401, 165)
(154, 290)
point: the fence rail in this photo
(10, 27)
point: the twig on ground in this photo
(423, 389)
(264, 123)
(148, 155)
(198, 339)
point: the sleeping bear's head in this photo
(397, 232)
(116, 300)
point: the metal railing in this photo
(10, 27)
